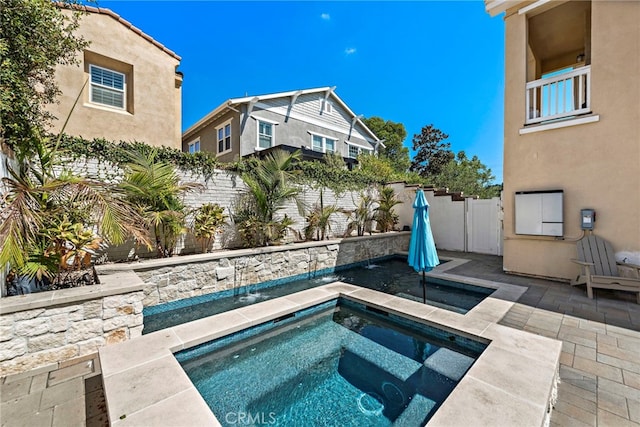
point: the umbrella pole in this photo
(424, 288)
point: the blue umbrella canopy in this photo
(422, 249)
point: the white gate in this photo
(484, 226)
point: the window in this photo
(327, 106)
(224, 138)
(317, 143)
(194, 146)
(356, 150)
(329, 145)
(323, 144)
(108, 87)
(265, 134)
(353, 151)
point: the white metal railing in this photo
(564, 95)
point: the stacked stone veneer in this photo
(42, 329)
(195, 275)
(46, 328)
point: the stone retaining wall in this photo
(176, 278)
(37, 330)
(40, 329)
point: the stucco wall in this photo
(596, 164)
(208, 136)
(154, 111)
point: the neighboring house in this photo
(316, 121)
(133, 89)
(571, 130)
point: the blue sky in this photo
(417, 63)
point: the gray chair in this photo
(599, 269)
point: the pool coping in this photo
(511, 383)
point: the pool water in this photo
(339, 364)
(392, 276)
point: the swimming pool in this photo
(391, 275)
(338, 363)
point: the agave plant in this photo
(154, 188)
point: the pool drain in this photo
(393, 393)
(370, 404)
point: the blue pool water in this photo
(338, 364)
(392, 276)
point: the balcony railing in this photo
(563, 95)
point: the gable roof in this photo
(232, 102)
(127, 24)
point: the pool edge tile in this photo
(475, 403)
(499, 365)
(129, 354)
(170, 411)
(209, 328)
(144, 385)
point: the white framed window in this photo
(224, 138)
(354, 151)
(266, 133)
(322, 143)
(194, 146)
(107, 87)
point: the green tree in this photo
(380, 167)
(433, 153)
(470, 176)
(393, 135)
(35, 37)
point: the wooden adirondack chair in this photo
(599, 269)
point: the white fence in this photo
(466, 225)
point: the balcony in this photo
(559, 96)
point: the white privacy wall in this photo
(467, 225)
(222, 188)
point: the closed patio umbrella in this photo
(422, 249)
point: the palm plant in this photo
(154, 188)
(362, 216)
(319, 220)
(51, 219)
(269, 190)
(385, 217)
